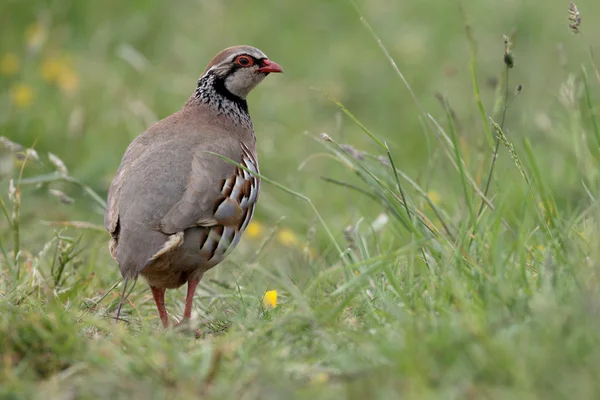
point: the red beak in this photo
(270, 66)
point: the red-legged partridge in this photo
(174, 209)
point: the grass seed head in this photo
(59, 164)
(509, 59)
(574, 18)
(61, 196)
(357, 154)
(326, 137)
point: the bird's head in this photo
(241, 68)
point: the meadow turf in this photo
(399, 271)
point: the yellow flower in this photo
(21, 95)
(58, 70)
(434, 197)
(541, 247)
(287, 238)
(35, 36)
(270, 299)
(51, 69)
(320, 378)
(9, 64)
(254, 229)
(68, 81)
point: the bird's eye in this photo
(244, 61)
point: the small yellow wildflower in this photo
(254, 229)
(9, 64)
(52, 69)
(35, 36)
(270, 299)
(68, 81)
(541, 247)
(434, 197)
(21, 95)
(58, 70)
(286, 237)
(320, 378)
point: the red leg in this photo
(159, 298)
(187, 312)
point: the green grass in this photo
(403, 275)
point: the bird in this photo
(178, 205)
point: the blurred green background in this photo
(81, 79)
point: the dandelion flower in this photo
(270, 299)
(287, 238)
(254, 229)
(9, 64)
(21, 95)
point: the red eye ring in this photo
(244, 61)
